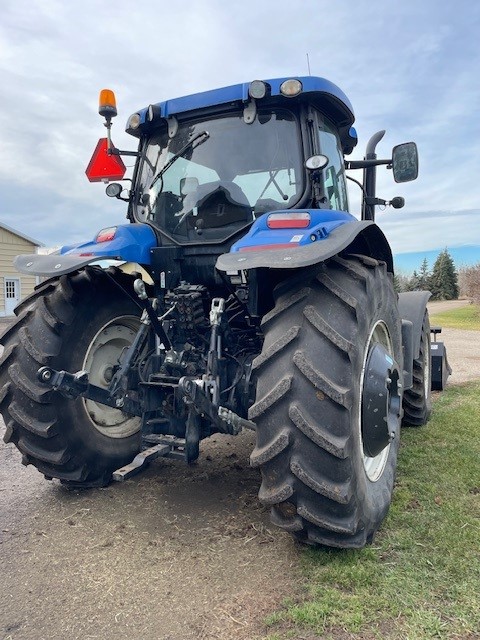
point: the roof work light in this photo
(291, 88)
(257, 89)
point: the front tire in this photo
(328, 403)
(417, 401)
(81, 321)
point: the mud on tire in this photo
(321, 485)
(63, 322)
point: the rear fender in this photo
(362, 237)
(130, 243)
(412, 306)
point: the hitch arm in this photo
(141, 292)
(194, 395)
(73, 385)
(225, 420)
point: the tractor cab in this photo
(209, 165)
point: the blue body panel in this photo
(322, 223)
(239, 93)
(132, 242)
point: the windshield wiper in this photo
(197, 140)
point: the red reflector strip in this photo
(288, 220)
(261, 247)
(105, 235)
(86, 255)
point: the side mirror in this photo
(405, 162)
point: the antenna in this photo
(308, 65)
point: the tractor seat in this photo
(218, 204)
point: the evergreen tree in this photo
(400, 282)
(444, 279)
(424, 276)
(413, 283)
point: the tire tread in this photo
(305, 441)
(36, 417)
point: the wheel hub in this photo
(107, 373)
(101, 359)
(381, 401)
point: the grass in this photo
(463, 318)
(420, 580)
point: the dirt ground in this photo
(438, 306)
(176, 553)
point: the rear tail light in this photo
(105, 235)
(291, 220)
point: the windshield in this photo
(215, 176)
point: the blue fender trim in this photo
(261, 237)
(131, 243)
(364, 236)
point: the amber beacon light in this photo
(107, 104)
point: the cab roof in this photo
(329, 97)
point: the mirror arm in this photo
(113, 151)
(375, 201)
(364, 164)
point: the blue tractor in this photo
(242, 294)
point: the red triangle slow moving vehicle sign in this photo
(103, 167)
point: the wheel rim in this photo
(375, 465)
(100, 361)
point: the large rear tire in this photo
(328, 403)
(417, 401)
(81, 321)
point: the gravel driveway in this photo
(463, 347)
(177, 553)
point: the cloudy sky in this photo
(410, 67)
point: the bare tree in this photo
(469, 282)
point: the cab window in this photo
(334, 174)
